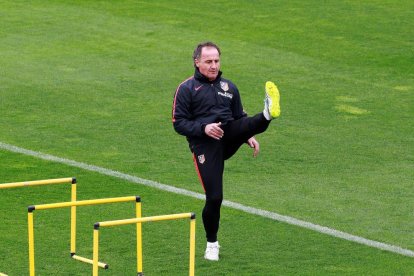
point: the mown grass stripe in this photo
(227, 203)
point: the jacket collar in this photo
(200, 77)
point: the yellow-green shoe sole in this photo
(273, 93)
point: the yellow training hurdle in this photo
(139, 221)
(71, 180)
(72, 204)
(38, 182)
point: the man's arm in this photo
(236, 104)
(182, 116)
(238, 112)
(252, 142)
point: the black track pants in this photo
(209, 156)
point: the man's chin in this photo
(212, 76)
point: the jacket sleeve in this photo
(181, 114)
(237, 107)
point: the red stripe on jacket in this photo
(175, 98)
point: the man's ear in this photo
(196, 62)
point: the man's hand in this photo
(214, 131)
(252, 142)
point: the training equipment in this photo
(212, 251)
(72, 204)
(138, 221)
(71, 180)
(272, 101)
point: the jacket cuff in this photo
(203, 128)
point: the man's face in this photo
(209, 62)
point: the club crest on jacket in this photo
(224, 85)
(201, 159)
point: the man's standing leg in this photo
(209, 162)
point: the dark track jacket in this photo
(198, 102)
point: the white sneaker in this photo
(272, 101)
(212, 251)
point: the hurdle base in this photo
(89, 261)
(140, 274)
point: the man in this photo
(207, 109)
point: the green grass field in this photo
(93, 81)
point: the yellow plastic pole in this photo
(89, 261)
(85, 202)
(36, 182)
(95, 252)
(192, 246)
(76, 203)
(73, 221)
(30, 215)
(31, 243)
(139, 239)
(144, 219)
(154, 219)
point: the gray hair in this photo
(199, 48)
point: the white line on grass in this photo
(234, 205)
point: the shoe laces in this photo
(213, 247)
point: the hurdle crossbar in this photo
(71, 180)
(139, 221)
(72, 204)
(38, 182)
(81, 203)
